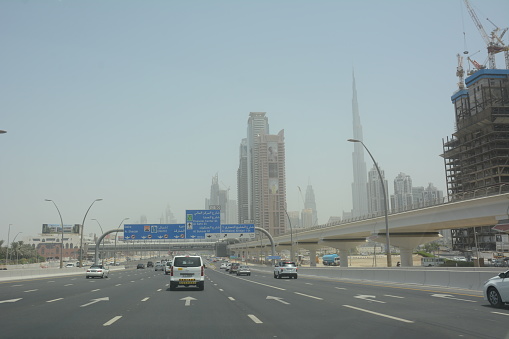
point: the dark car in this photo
(140, 266)
(150, 264)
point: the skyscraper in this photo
(310, 204)
(375, 194)
(359, 193)
(261, 181)
(402, 200)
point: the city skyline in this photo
(142, 107)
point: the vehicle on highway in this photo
(243, 270)
(150, 264)
(167, 268)
(227, 268)
(159, 267)
(432, 261)
(331, 260)
(223, 265)
(140, 266)
(100, 271)
(70, 265)
(234, 267)
(187, 271)
(285, 269)
(496, 290)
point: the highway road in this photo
(138, 304)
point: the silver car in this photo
(243, 270)
(496, 290)
(97, 271)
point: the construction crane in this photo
(460, 73)
(494, 43)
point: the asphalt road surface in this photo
(138, 304)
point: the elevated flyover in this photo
(407, 229)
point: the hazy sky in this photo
(141, 103)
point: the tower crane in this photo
(494, 43)
(460, 73)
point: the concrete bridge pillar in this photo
(406, 242)
(344, 246)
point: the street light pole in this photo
(17, 250)
(82, 227)
(8, 239)
(291, 236)
(62, 242)
(387, 238)
(115, 252)
(102, 232)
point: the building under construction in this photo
(476, 157)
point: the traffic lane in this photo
(285, 313)
(188, 313)
(79, 314)
(404, 305)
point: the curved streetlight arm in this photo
(96, 261)
(82, 227)
(62, 242)
(387, 238)
(115, 250)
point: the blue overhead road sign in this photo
(154, 231)
(202, 224)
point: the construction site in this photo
(476, 156)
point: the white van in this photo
(187, 270)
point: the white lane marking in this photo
(118, 284)
(31, 290)
(393, 296)
(232, 299)
(308, 284)
(254, 282)
(221, 290)
(507, 314)
(380, 314)
(145, 299)
(68, 284)
(10, 300)
(16, 285)
(96, 290)
(51, 281)
(159, 290)
(340, 288)
(167, 285)
(309, 296)
(277, 299)
(255, 319)
(108, 323)
(132, 280)
(50, 301)
(96, 301)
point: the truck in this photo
(330, 260)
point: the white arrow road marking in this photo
(108, 323)
(50, 301)
(379, 314)
(96, 301)
(30, 291)
(188, 300)
(368, 298)
(448, 296)
(10, 300)
(277, 299)
(255, 319)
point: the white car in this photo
(70, 266)
(496, 290)
(223, 265)
(187, 270)
(97, 271)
